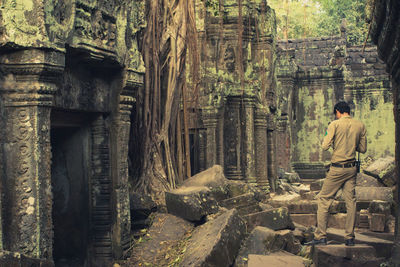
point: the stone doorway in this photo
(70, 146)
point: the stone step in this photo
(360, 255)
(247, 199)
(337, 220)
(275, 260)
(311, 206)
(383, 247)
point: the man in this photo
(346, 136)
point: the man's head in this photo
(340, 109)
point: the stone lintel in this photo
(30, 76)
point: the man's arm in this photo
(328, 139)
(362, 145)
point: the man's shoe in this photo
(349, 242)
(314, 242)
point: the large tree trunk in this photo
(157, 147)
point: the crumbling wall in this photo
(328, 70)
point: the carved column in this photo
(27, 92)
(220, 145)
(210, 119)
(202, 149)
(122, 227)
(272, 175)
(233, 139)
(261, 143)
(249, 149)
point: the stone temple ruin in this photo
(69, 74)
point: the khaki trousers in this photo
(335, 179)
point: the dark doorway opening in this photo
(69, 172)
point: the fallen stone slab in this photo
(360, 255)
(237, 188)
(367, 181)
(263, 241)
(308, 195)
(212, 177)
(374, 193)
(141, 207)
(216, 242)
(276, 219)
(291, 177)
(275, 260)
(382, 247)
(191, 203)
(384, 170)
(241, 200)
(303, 207)
(165, 232)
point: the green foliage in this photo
(313, 18)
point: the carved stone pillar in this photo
(249, 149)
(27, 90)
(272, 171)
(210, 120)
(202, 149)
(122, 227)
(220, 143)
(233, 139)
(261, 143)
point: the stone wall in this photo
(385, 33)
(237, 98)
(313, 75)
(67, 65)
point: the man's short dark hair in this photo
(342, 107)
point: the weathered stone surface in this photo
(191, 203)
(383, 169)
(317, 185)
(275, 260)
(211, 177)
(276, 219)
(308, 195)
(264, 241)
(367, 180)
(378, 206)
(291, 177)
(303, 207)
(305, 219)
(343, 256)
(377, 222)
(11, 259)
(165, 232)
(237, 188)
(382, 247)
(141, 205)
(239, 201)
(216, 242)
(374, 193)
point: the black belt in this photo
(344, 165)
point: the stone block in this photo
(11, 259)
(377, 222)
(237, 188)
(378, 206)
(305, 219)
(292, 177)
(367, 181)
(384, 170)
(317, 185)
(141, 206)
(217, 242)
(337, 220)
(274, 260)
(211, 177)
(276, 219)
(191, 203)
(374, 193)
(359, 255)
(263, 241)
(382, 247)
(303, 207)
(241, 200)
(308, 195)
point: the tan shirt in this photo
(346, 136)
